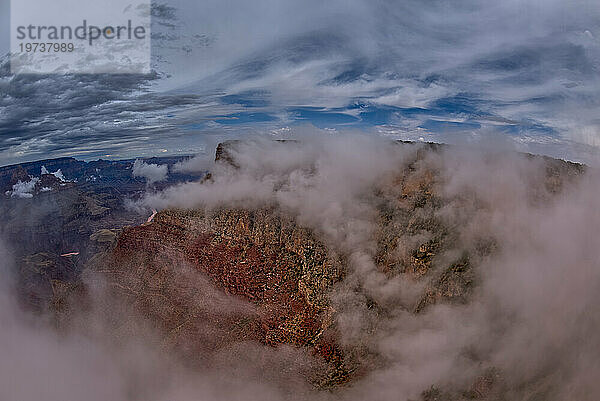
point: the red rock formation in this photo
(211, 281)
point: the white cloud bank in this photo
(151, 172)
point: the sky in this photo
(519, 73)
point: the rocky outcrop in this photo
(208, 280)
(268, 276)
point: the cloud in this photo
(58, 174)
(526, 70)
(526, 330)
(530, 317)
(514, 60)
(151, 172)
(23, 189)
(109, 353)
(38, 362)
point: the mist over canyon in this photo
(324, 266)
(283, 200)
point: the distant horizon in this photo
(191, 155)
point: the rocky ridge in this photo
(208, 280)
